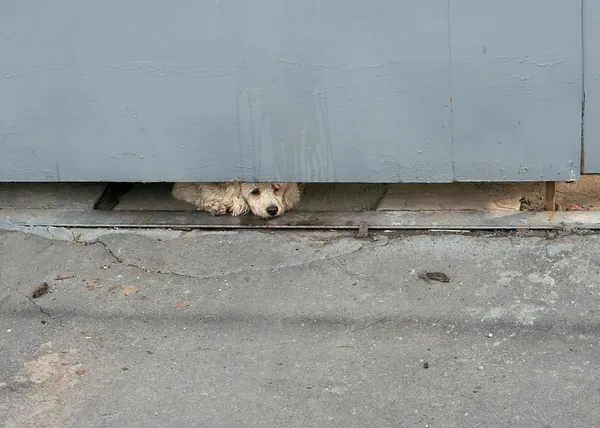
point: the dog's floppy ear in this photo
(291, 196)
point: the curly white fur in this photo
(266, 200)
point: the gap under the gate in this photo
(456, 206)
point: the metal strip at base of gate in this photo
(397, 220)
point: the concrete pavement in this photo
(295, 329)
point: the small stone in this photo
(40, 291)
(480, 368)
(435, 276)
(490, 335)
(129, 289)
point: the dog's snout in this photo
(272, 210)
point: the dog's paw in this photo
(236, 213)
(239, 207)
(216, 208)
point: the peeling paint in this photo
(543, 65)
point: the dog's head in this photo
(268, 200)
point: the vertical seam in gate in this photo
(450, 95)
(582, 157)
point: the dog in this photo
(266, 200)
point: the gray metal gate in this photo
(314, 90)
(591, 33)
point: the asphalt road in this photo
(292, 329)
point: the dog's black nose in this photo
(272, 210)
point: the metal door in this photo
(516, 89)
(316, 90)
(591, 56)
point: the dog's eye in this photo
(276, 189)
(255, 192)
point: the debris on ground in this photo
(61, 278)
(129, 289)
(80, 372)
(525, 204)
(435, 276)
(41, 290)
(92, 284)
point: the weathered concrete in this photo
(316, 197)
(72, 196)
(341, 196)
(151, 196)
(250, 329)
(504, 197)
(581, 195)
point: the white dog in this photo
(266, 200)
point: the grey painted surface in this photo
(348, 91)
(591, 34)
(285, 90)
(517, 89)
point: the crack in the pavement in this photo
(51, 234)
(160, 272)
(109, 251)
(117, 259)
(142, 268)
(39, 307)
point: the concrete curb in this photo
(398, 220)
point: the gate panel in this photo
(591, 73)
(516, 89)
(148, 90)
